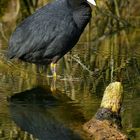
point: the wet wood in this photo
(106, 124)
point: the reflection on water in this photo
(109, 50)
(45, 115)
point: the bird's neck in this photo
(82, 15)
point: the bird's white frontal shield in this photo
(92, 2)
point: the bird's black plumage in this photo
(50, 32)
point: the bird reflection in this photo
(45, 115)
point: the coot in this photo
(49, 33)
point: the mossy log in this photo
(106, 123)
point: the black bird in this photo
(50, 32)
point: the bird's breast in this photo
(82, 16)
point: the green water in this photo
(28, 108)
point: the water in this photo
(43, 113)
(31, 109)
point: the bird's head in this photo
(76, 3)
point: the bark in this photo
(106, 124)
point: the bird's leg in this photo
(53, 86)
(53, 70)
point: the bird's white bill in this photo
(92, 2)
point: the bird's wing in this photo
(36, 33)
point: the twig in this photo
(81, 64)
(105, 13)
(108, 34)
(2, 32)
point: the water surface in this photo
(31, 109)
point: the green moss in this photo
(134, 134)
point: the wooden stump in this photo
(106, 123)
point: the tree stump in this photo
(106, 123)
